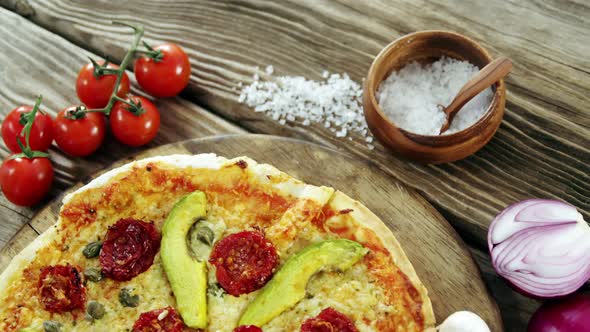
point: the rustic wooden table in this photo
(541, 150)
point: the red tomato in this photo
(167, 77)
(247, 328)
(26, 181)
(79, 137)
(329, 320)
(129, 249)
(244, 262)
(95, 93)
(152, 321)
(131, 129)
(61, 289)
(41, 133)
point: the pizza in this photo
(201, 242)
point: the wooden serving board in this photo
(441, 259)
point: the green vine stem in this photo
(28, 119)
(27, 152)
(155, 55)
(100, 70)
(103, 70)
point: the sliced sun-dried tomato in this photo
(61, 289)
(159, 320)
(247, 328)
(245, 261)
(329, 320)
(129, 249)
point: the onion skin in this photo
(541, 247)
(568, 314)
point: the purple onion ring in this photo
(542, 247)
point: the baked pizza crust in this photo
(265, 174)
(288, 185)
(365, 217)
(18, 262)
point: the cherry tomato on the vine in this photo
(41, 133)
(25, 181)
(167, 77)
(96, 92)
(131, 129)
(79, 137)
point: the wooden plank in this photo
(541, 150)
(443, 263)
(24, 236)
(34, 61)
(12, 218)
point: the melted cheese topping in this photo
(352, 292)
(237, 199)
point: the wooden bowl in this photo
(427, 47)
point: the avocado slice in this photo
(187, 274)
(287, 287)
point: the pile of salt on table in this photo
(334, 102)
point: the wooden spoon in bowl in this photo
(488, 75)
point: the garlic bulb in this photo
(463, 321)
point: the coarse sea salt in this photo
(411, 96)
(334, 102)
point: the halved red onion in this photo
(542, 247)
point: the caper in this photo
(95, 310)
(93, 274)
(51, 326)
(92, 249)
(127, 299)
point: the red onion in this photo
(564, 315)
(542, 247)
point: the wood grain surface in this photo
(441, 259)
(26, 71)
(541, 149)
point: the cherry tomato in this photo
(131, 129)
(41, 133)
(61, 289)
(96, 92)
(26, 181)
(247, 328)
(158, 321)
(167, 77)
(79, 137)
(329, 320)
(244, 261)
